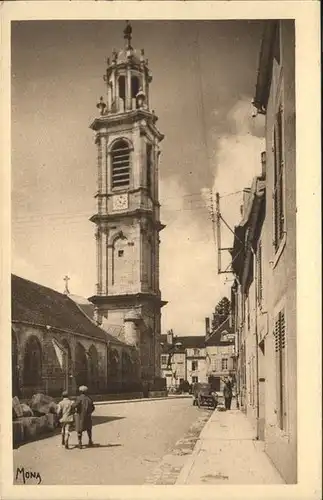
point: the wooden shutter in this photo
(280, 345)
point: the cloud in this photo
(237, 160)
(188, 271)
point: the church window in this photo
(32, 362)
(120, 165)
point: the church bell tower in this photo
(127, 219)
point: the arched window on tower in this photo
(135, 86)
(122, 91)
(120, 155)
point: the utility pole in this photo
(218, 229)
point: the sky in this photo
(204, 75)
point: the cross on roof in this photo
(128, 34)
(66, 279)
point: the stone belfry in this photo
(127, 219)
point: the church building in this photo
(127, 221)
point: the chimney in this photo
(263, 165)
(207, 327)
(245, 200)
(170, 337)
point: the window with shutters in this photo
(259, 274)
(278, 194)
(280, 355)
(120, 156)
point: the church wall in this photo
(53, 377)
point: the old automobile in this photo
(204, 395)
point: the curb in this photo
(186, 470)
(141, 400)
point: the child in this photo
(83, 416)
(65, 412)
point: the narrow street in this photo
(130, 439)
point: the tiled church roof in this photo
(34, 303)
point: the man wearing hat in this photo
(65, 412)
(84, 408)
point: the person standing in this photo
(65, 414)
(227, 393)
(84, 407)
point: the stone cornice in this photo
(129, 117)
(128, 299)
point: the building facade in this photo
(264, 262)
(56, 346)
(127, 219)
(220, 355)
(183, 359)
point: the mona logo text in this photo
(27, 475)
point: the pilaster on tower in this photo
(128, 210)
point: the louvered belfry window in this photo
(280, 354)
(120, 155)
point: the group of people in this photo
(78, 412)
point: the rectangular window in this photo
(278, 194)
(164, 359)
(195, 380)
(194, 365)
(224, 364)
(259, 274)
(280, 355)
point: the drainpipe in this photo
(256, 337)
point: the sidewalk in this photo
(226, 453)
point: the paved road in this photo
(132, 438)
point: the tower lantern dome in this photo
(127, 75)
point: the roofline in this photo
(264, 73)
(216, 331)
(93, 321)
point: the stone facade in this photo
(127, 219)
(56, 347)
(265, 305)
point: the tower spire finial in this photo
(128, 34)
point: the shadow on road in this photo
(95, 445)
(98, 419)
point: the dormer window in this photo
(120, 156)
